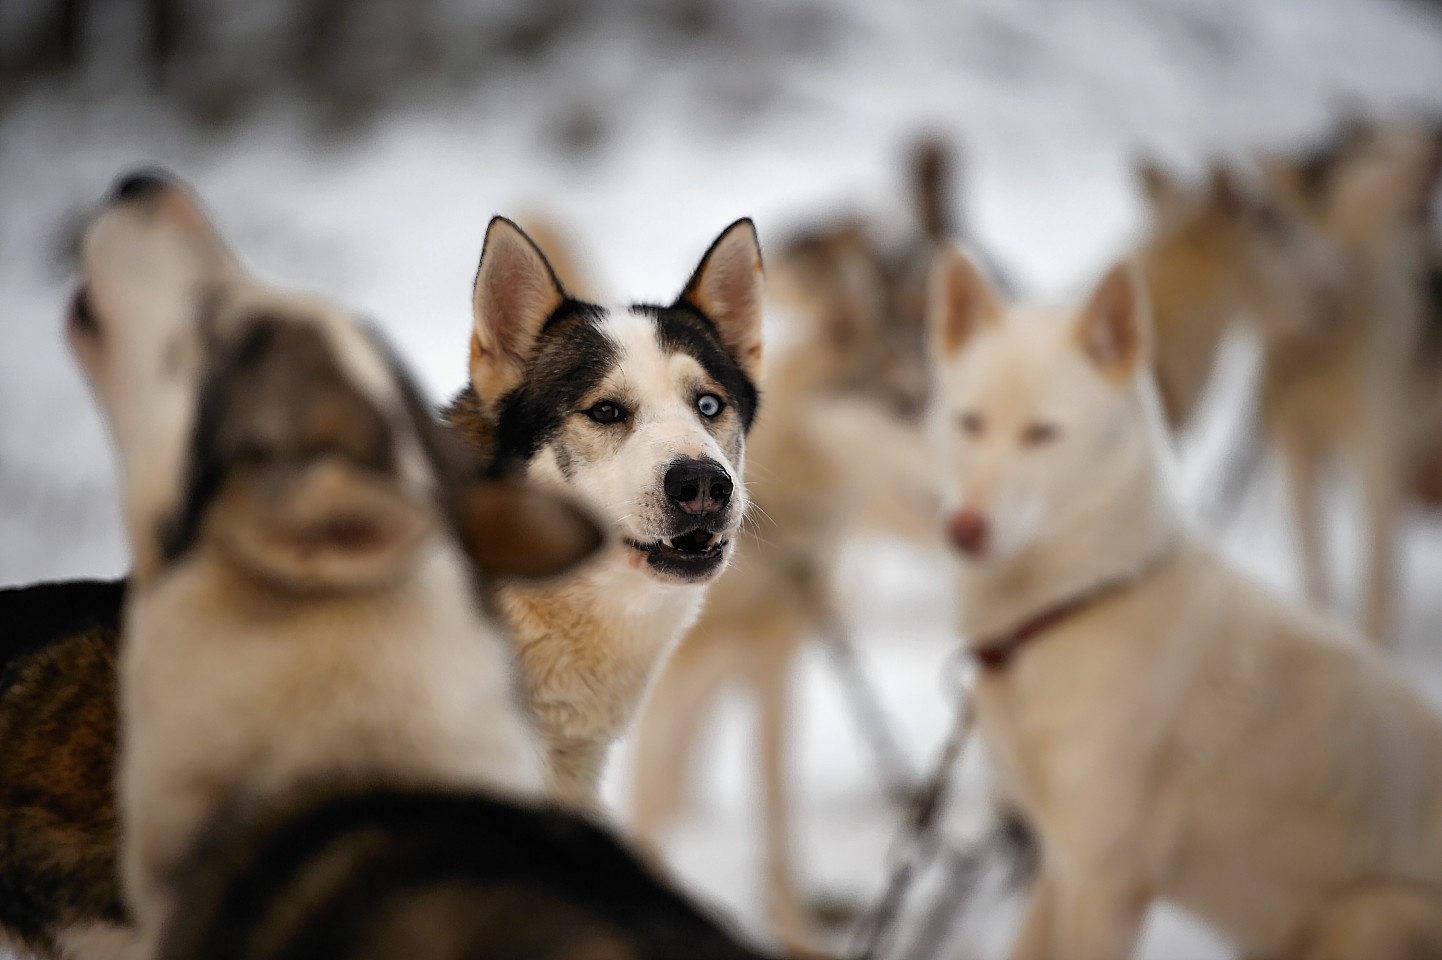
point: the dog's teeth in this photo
(714, 539)
(666, 541)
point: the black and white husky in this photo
(641, 412)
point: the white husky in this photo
(1170, 729)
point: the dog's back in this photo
(58, 648)
(431, 876)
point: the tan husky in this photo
(1363, 389)
(1172, 730)
(1217, 253)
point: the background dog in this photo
(1361, 390)
(1170, 729)
(641, 412)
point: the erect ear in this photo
(1159, 188)
(1226, 194)
(1114, 327)
(728, 287)
(960, 301)
(328, 526)
(514, 531)
(516, 292)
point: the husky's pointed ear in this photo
(515, 531)
(516, 291)
(728, 288)
(959, 302)
(1162, 192)
(331, 527)
(1226, 193)
(1114, 329)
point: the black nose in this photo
(138, 185)
(698, 487)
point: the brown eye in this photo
(1039, 434)
(606, 412)
(971, 424)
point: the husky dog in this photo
(1364, 389)
(427, 875)
(1216, 253)
(1171, 729)
(642, 413)
(840, 445)
(303, 601)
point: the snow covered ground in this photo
(1052, 99)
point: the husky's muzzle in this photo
(700, 514)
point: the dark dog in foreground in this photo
(58, 649)
(428, 874)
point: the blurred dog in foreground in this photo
(1170, 729)
(394, 873)
(59, 650)
(840, 446)
(642, 413)
(313, 557)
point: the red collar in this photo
(996, 652)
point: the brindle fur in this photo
(58, 831)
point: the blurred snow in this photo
(805, 112)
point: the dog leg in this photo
(1035, 936)
(1099, 913)
(671, 724)
(1303, 468)
(771, 679)
(1380, 492)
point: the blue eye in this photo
(709, 404)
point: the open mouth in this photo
(689, 556)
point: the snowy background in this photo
(365, 158)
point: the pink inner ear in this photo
(515, 293)
(728, 290)
(966, 300)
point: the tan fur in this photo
(302, 605)
(1361, 392)
(1190, 736)
(1216, 254)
